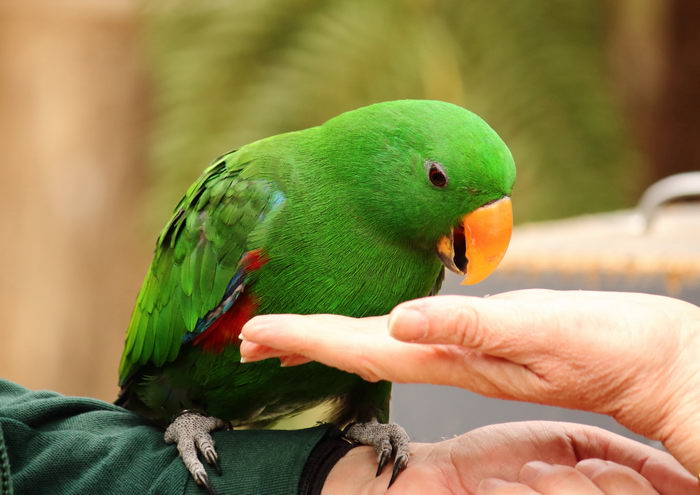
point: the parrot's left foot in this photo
(387, 439)
(191, 431)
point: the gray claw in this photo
(217, 467)
(210, 490)
(399, 465)
(207, 449)
(383, 458)
(201, 478)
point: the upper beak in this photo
(477, 245)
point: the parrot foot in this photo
(190, 430)
(387, 439)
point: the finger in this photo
(251, 351)
(514, 444)
(301, 334)
(555, 479)
(612, 478)
(502, 327)
(356, 345)
(495, 486)
(518, 324)
(664, 472)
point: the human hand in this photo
(632, 356)
(528, 458)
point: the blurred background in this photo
(109, 109)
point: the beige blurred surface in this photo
(73, 124)
(611, 243)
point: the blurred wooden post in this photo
(673, 138)
(73, 121)
(655, 62)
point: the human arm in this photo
(632, 356)
(64, 445)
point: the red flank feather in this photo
(226, 329)
(254, 260)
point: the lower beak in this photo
(477, 245)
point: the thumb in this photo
(498, 326)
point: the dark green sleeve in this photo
(60, 445)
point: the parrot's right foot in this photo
(389, 440)
(191, 431)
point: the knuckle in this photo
(464, 326)
(366, 368)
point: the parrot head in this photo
(430, 174)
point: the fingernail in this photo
(408, 324)
(532, 470)
(248, 359)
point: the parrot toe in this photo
(191, 431)
(389, 440)
(384, 457)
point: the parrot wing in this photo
(199, 266)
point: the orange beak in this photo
(476, 246)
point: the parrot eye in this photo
(436, 174)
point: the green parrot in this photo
(351, 217)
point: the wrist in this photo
(679, 426)
(322, 459)
(681, 437)
(353, 474)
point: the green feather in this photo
(149, 338)
(182, 249)
(131, 335)
(159, 349)
(188, 315)
(172, 286)
(207, 274)
(230, 214)
(187, 275)
(138, 329)
(175, 336)
(195, 270)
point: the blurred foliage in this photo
(230, 72)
